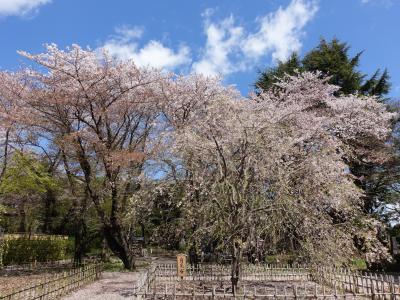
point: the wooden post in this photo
(181, 265)
(372, 289)
(315, 291)
(335, 289)
(392, 291)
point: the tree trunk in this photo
(143, 229)
(5, 155)
(80, 240)
(22, 215)
(235, 266)
(120, 248)
(113, 232)
(81, 229)
(128, 260)
(49, 211)
(105, 257)
(193, 257)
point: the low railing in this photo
(36, 265)
(286, 282)
(359, 282)
(34, 236)
(145, 280)
(44, 265)
(60, 284)
(248, 272)
(274, 291)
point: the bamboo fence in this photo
(59, 285)
(274, 282)
(46, 265)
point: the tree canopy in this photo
(333, 59)
(239, 171)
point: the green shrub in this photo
(359, 264)
(284, 259)
(24, 250)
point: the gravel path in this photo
(112, 286)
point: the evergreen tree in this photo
(271, 74)
(333, 59)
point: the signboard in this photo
(181, 265)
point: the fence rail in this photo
(284, 282)
(358, 282)
(248, 272)
(58, 286)
(37, 265)
(290, 291)
(33, 236)
(45, 265)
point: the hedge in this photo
(25, 250)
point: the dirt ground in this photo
(16, 280)
(112, 286)
(244, 287)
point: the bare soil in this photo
(10, 281)
(112, 286)
(244, 287)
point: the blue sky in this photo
(233, 38)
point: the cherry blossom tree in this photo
(101, 115)
(8, 127)
(277, 161)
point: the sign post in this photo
(181, 265)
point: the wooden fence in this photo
(358, 282)
(35, 265)
(59, 285)
(248, 272)
(284, 282)
(33, 236)
(274, 291)
(46, 265)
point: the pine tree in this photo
(333, 59)
(270, 75)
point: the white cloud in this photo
(229, 48)
(20, 7)
(124, 45)
(127, 33)
(382, 3)
(280, 32)
(223, 41)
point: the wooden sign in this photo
(181, 265)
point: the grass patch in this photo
(116, 265)
(358, 264)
